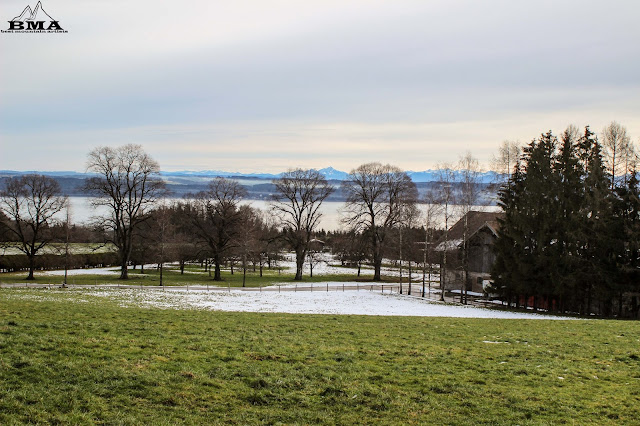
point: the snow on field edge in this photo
(333, 302)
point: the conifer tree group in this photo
(569, 239)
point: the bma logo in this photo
(36, 20)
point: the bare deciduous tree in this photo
(445, 197)
(128, 184)
(618, 151)
(377, 195)
(433, 209)
(296, 202)
(216, 218)
(248, 239)
(408, 218)
(470, 192)
(503, 163)
(30, 202)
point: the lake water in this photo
(82, 211)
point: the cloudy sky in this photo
(268, 85)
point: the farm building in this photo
(482, 231)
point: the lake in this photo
(82, 211)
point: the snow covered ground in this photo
(332, 302)
(350, 302)
(327, 265)
(90, 271)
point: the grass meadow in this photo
(67, 357)
(193, 276)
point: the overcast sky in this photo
(268, 85)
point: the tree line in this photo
(570, 237)
(568, 240)
(211, 225)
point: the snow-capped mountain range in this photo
(329, 173)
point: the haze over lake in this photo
(82, 211)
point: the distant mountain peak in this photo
(332, 174)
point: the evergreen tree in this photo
(509, 246)
(626, 207)
(595, 232)
(570, 173)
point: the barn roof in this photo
(476, 221)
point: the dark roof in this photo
(476, 221)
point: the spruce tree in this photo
(595, 231)
(570, 174)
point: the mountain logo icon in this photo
(34, 20)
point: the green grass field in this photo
(193, 276)
(92, 361)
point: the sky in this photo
(264, 86)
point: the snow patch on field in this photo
(90, 271)
(336, 302)
(326, 265)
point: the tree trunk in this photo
(443, 274)
(300, 255)
(124, 272)
(244, 272)
(217, 275)
(400, 260)
(377, 258)
(377, 265)
(32, 263)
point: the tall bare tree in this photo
(432, 210)
(469, 196)
(164, 236)
(618, 151)
(248, 239)
(408, 219)
(296, 202)
(446, 197)
(508, 154)
(216, 218)
(377, 195)
(128, 183)
(503, 163)
(30, 202)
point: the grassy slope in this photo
(94, 361)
